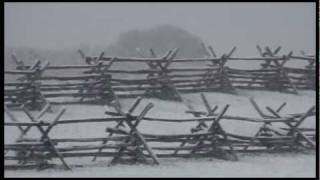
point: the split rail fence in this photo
(97, 82)
(125, 143)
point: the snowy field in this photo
(287, 164)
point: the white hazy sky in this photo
(223, 25)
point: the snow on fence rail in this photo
(125, 143)
(98, 82)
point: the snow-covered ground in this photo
(250, 165)
(256, 165)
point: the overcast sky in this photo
(223, 25)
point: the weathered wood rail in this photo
(125, 143)
(97, 82)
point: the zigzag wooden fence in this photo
(96, 82)
(125, 143)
